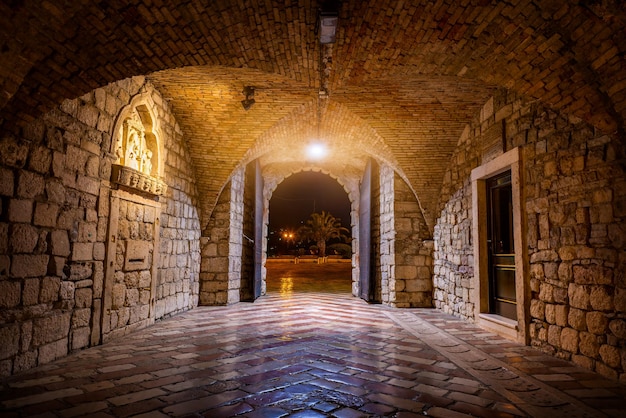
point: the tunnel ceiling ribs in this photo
(413, 72)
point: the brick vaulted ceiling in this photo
(405, 78)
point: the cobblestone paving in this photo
(311, 355)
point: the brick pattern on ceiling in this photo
(414, 72)
(569, 55)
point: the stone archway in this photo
(274, 174)
(274, 181)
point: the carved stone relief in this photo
(136, 151)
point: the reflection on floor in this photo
(287, 278)
(311, 354)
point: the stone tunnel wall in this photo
(215, 243)
(383, 236)
(235, 249)
(574, 204)
(413, 249)
(223, 246)
(54, 239)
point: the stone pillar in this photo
(235, 250)
(386, 235)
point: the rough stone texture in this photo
(401, 96)
(52, 252)
(453, 264)
(215, 251)
(572, 185)
(413, 250)
(383, 234)
(179, 255)
(566, 54)
(235, 244)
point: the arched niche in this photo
(136, 148)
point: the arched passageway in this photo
(291, 205)
(139, 144)
(294, 261)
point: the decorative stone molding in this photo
(137, 149)
(479, 293)
(133, 179)
(137, 144)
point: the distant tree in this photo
(321, 227)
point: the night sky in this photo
(306, 192)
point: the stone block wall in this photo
(453, 254)
(215, 243)
(401, 246)
(54, 217)
(235, 244)
(574, 200)
(131, 282)
(413, 251)
(383, 218)
(223, 246)
(178, 274)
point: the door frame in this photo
(517, 330)
(494, 206)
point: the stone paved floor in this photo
(311, 355)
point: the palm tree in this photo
(321, 227)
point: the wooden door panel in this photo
(366, 287)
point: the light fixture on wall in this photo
(247, 103)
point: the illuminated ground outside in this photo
(287, 278)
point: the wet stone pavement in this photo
(311, 354)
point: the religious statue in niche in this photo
(135, 152)
(133, 148)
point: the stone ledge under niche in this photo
(137, 181)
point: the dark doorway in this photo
(294, 263)
(502, 293)
(293, 202)
(252, 234)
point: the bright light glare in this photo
(316, 151)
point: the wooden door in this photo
(500, 242)
(366, 285)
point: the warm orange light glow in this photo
(317, 151)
